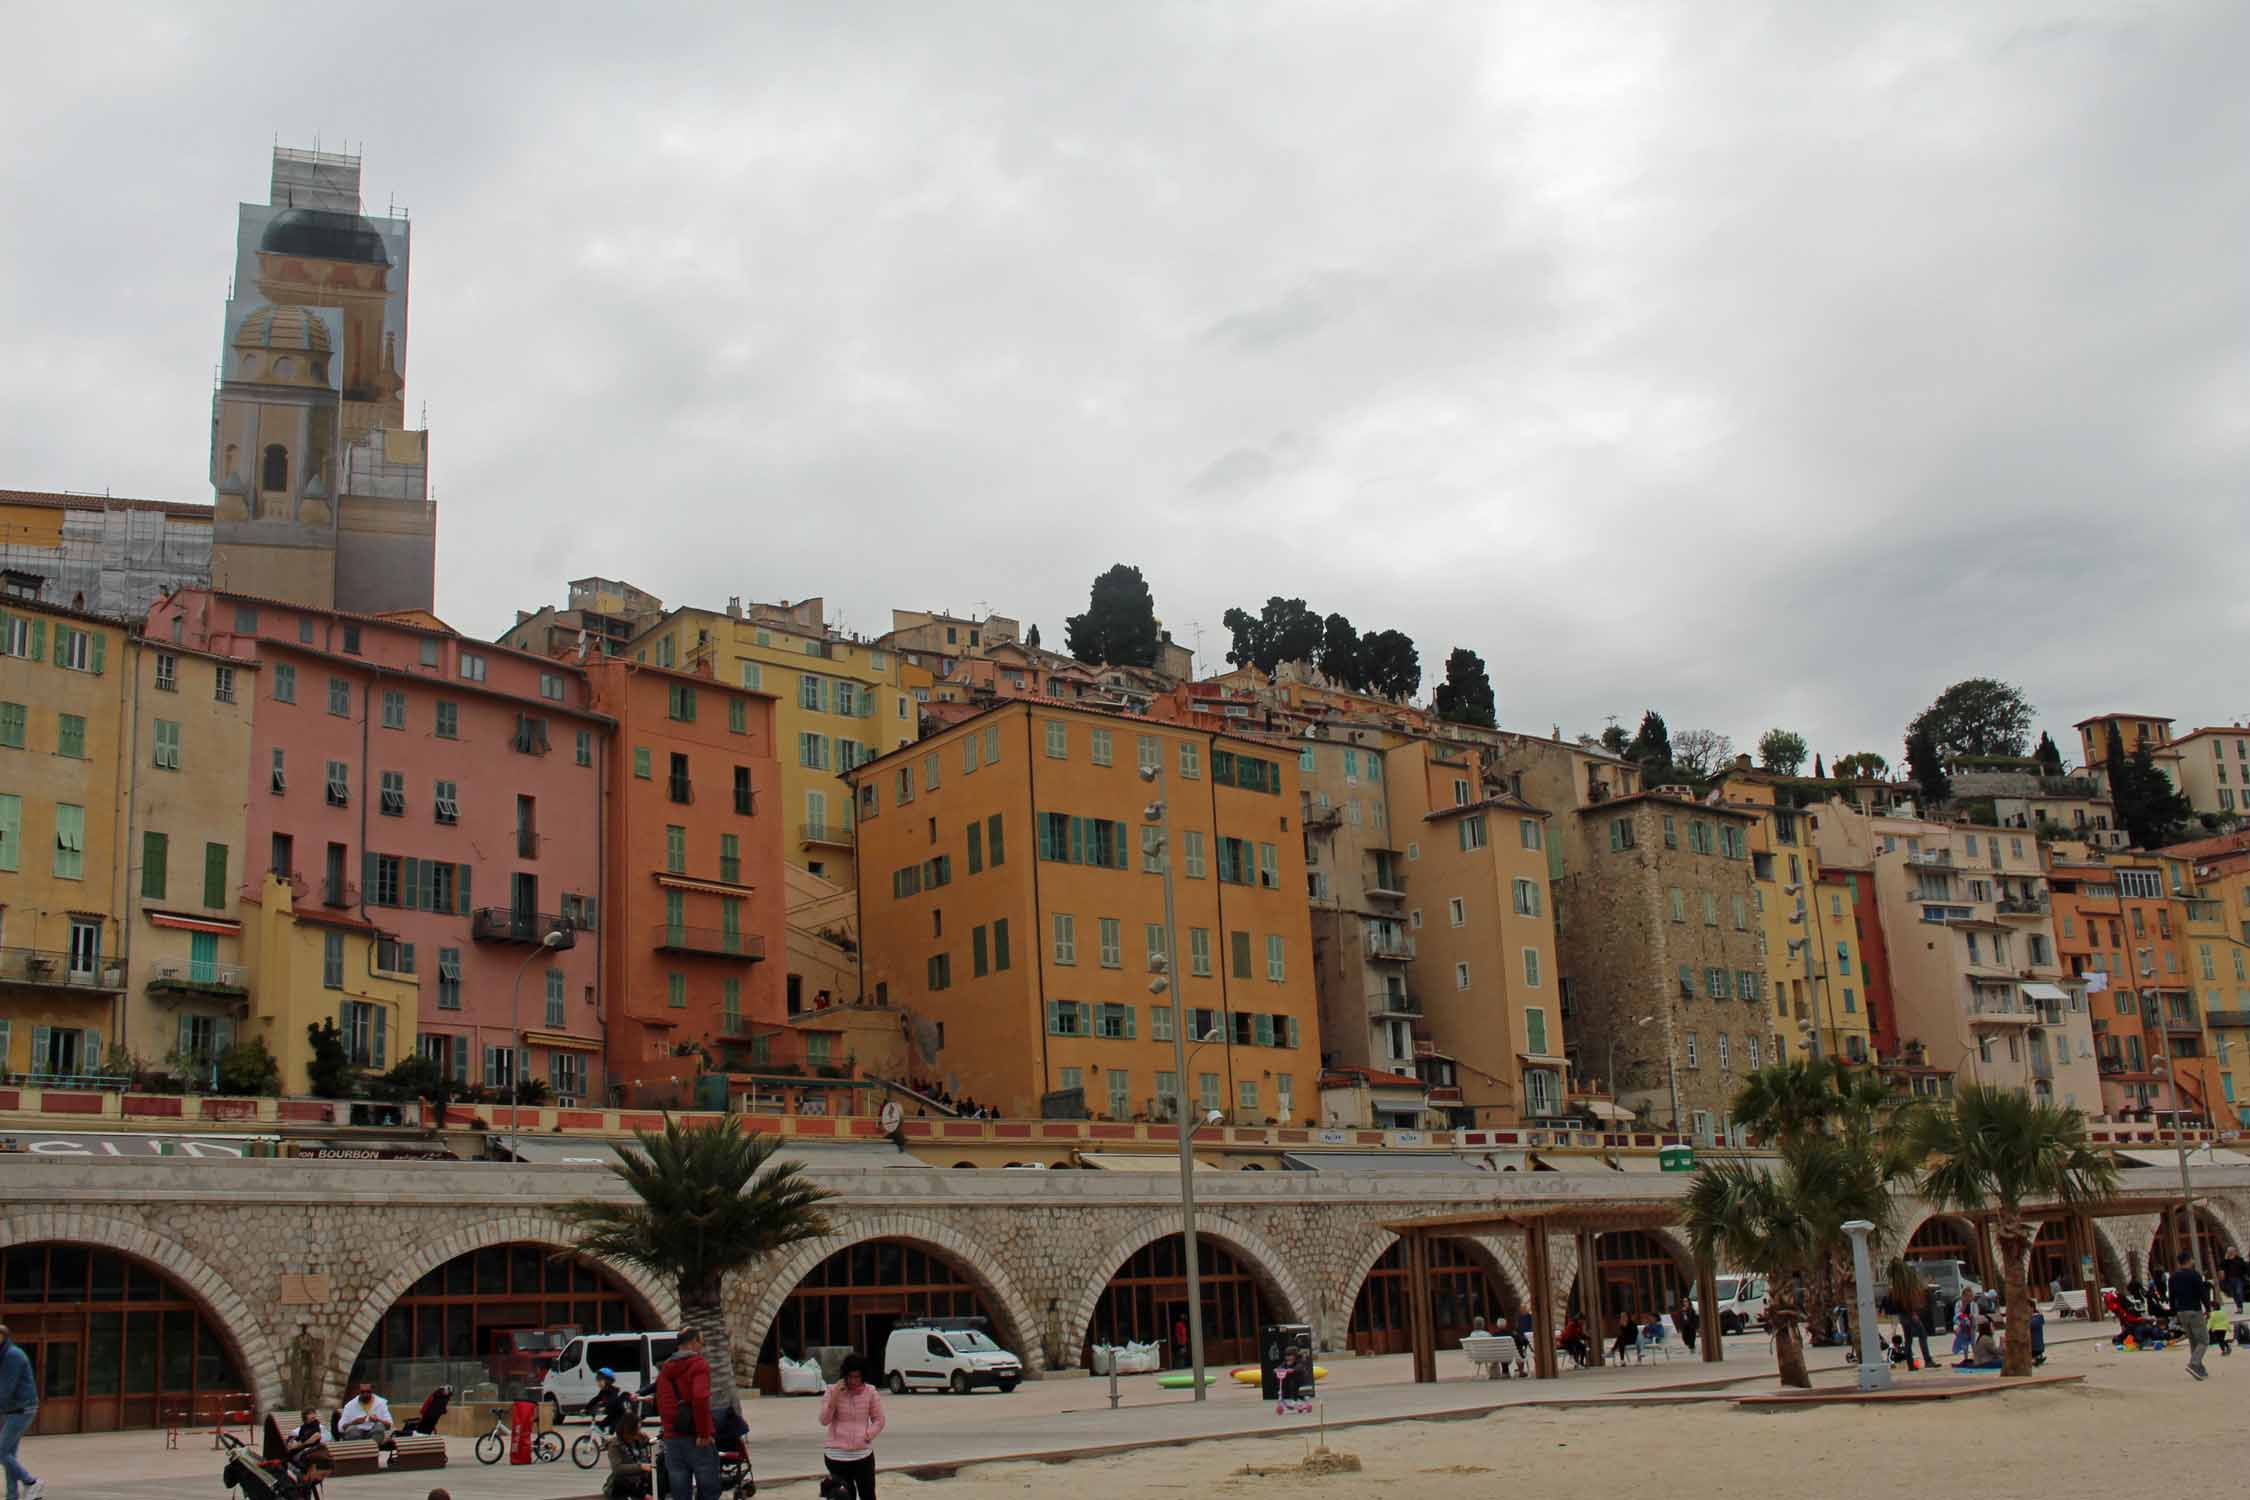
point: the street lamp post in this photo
(548, 943)
(1874, 1369)
(1155, 815)
(2187, 1184)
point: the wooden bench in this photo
(355, 1456)
(418, 1452)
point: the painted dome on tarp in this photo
(324, 234)
(279, 328)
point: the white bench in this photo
(1493, 1354)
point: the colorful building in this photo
(446, 794)
(2213, 770)
(66, 682)
(186, 855)
(1013, 910)
(839, 702)
(692, 853)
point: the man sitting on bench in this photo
(366, 1415)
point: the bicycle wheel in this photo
(587, 1451)
(491, 1448)
(547, 1447)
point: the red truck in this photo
(523, 1356)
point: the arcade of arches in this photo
(1640, 1273)
(114, 1342)
(1462, 1289)
(1146, 1302)
(854, 1298)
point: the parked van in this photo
(571, 1383)
(1950, 1279)
(1742, 1302)
(933, 1356)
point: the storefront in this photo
(1461, 1291)
(1147, 1298)
(854, 1298)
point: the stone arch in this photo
(1982, 1264)
(535, 1228)
(1671, 1240)
(1267, 1266)
(753, 1312)
(254, 1350)
(1485, 1250)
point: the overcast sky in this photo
(1766, 365)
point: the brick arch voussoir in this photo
(542, 1229)
(203, 1283)
(752, 1305)
(1267, 1266)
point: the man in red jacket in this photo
(683, 1409)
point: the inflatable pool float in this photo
(1183, 1380)
(1249, 1374)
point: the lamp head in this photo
(1213, 1117)
(1148, 773)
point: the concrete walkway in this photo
(933, 1435)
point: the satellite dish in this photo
(892, 1114)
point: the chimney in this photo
(734, 606)
(1742, 761)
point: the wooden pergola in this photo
(1587, 1223)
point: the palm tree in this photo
(705, 1203)
(1777, 1224)
(1789, 1097)
(2000, 1152)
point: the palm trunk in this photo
(1789, 1349)
(701, 1310)
(2015, 1249)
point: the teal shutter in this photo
(461, 880)
(186, 1042)
(222, 1036)
(382, 1036)
(91, 1058)
(410, 891)
(38, 639)
(100, 641)
(42, 1038)
(1078, 841)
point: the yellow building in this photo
(65, 680)
(184, 854)
(1014, 909)
(309, 964)
(1807, 928)
(838, 703)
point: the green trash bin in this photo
(1676, 1158)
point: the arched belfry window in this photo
(276, 472)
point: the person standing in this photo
(2191, 1298)
(1684, 1318)
(683, 1407)
(852, 1411)
(1914, 1331)
(1180, 1342)
(19, 1407)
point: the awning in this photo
(1380, 1163)
(2045, 992)
(708, 887)
(187, 923)
(564, 1152)
(1124, 1161)
(1557, 1162)
(562, 1040)
(1602, 1109)
(2198, 1156)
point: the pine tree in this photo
(1925, 769)
(1118, 628)
(1465, 697)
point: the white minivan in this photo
(930, 1357)
(634, 1357)
(1742, 1302)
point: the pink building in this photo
(447, 792)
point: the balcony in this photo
(50, 968)
(527, 843)
(1394, 1003)
(2021, 906)
(1387, 883)
(825, 835)
(504, 924)
(679, 789)
(214, 980)
(710, 942)
(1323, 819)
(2042, 1066)
(340, 894)
(2231, 1019)
(1930, 859)
(1391, 947)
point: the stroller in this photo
(269, 1478)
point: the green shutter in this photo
(461, 884)
(100, 641)
(366, 877)
(153, 849)
(38, 639)
(994, 851)
(1078, 841)
(1000, 944)
(214, 875)
(410, 884)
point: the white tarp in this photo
(2198, 1156)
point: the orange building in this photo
(692, 865)
(1013, 906)
(2117, 918)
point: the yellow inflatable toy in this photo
(1248, 1374)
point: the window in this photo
(1460, 976)
(394, 709)
(1276, 969)
(1531, 968)
(11, 829)
(1246, 1095)
(1679, 904)
(1671, 832)
(1741, 913)
(1621, 833)
(70, 736)
(1207, 1090)
(448, 719)
(70, 841)
(930, 772)
(339, 793)
(79, 650)
(675, 848)
(393, 798)
(85, 955)
(284, 682)
(1115, 1022)
(1457, 911)
(153, 849)
(339, 697)
(167, 745)
(449, 978)
(1715, 983)
(472, 667)
(1269, 867)
(214, 875)
(1238, 954)
(1191, 762)
(1058, 740)
(1725, 1064)
(1101, 746)
(1473, 831)
(332, 960)
(429, 653)
(1000, 946)
(1069, 1018)
(1148, 751)
(1191, 850)
(1199, 952)
(1535, 1030)
(1710, 908)
(13, 718)
(1527, 898)
(1112, 944)
(1693, 1060)
(938, 971)
(1066, 938)
(167, 672)
(448, 802)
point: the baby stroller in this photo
(268, 1478)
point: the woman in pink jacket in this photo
(852, 1411)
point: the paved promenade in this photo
(1057, 1416)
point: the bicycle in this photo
(587, 1451)
(546, 1446)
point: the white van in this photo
(1742, 1302)
(571, 1383)
(929, 1357)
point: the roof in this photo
(2105, 718)
(130, 626)
(1352, 1076)
(1140, 722)
(1749, 813)
(2236, 730)
(57, 500)
(1508, 800)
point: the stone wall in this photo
(1040, 1246)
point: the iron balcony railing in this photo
(206, 976)
(53, 966)
(504, 924)
(712, 942)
